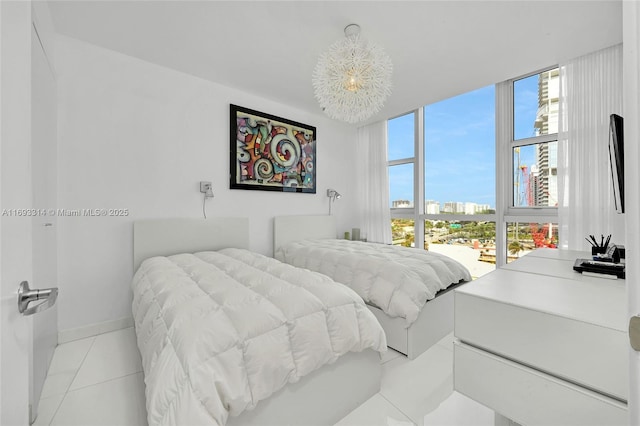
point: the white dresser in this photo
(543, 344)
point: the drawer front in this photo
(587, 354)
(528, 396)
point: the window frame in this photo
(505, 142)
(511, 209)
(417, 213)
(418, 170)
(505, 210)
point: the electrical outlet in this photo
(206, 189)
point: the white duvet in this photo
(398, 280)
(220, 331)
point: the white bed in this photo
(323, 396)
(410, 337)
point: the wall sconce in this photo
(333, 195)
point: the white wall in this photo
(139, 136)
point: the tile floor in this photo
(99, 381)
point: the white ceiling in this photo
(438, 48)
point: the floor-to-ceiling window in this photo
(460, 175)
(402, 167)
(442, 179)
(445, 160)
(531, 213)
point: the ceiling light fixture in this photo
(352, 79)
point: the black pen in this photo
(592, 245)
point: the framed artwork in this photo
(271, 153)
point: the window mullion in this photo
(419, 178)
(504, 180)
(552, 137)
(400, 162)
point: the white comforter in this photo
(217, 334)
(398, 280)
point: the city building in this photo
(454, 207)
(432, 207)
(401, 204)
(473, 208)
(546, 182)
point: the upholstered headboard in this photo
(164, 237)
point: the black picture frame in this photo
(270, 153)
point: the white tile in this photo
(389, 355)
(417, 387)
(57, 384)
(112, 355)
(376, 411)
(116, 402)
(92, 330)
(459, 410)
(69, 356)
(46, 409)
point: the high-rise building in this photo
(453, 207)
(401, 204)
(534, 186)
(547, 153)
(470, 208)
(473, 208)
(432, 207)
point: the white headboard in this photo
(164, 237)
(294, 228)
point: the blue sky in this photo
(460, 145)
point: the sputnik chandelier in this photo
(352, 79)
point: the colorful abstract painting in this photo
(271, 153)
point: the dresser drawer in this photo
(593, 356)
(528, 396)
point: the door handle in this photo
(634, 332)
(27, 295)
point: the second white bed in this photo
(394, 281)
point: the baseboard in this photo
(71, 334)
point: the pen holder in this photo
(598, 250)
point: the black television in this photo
(616, 159)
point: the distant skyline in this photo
(460, 145)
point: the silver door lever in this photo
(634, 332)
(26, 296)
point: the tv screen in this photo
(616, 159)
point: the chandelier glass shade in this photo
(352, 79)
